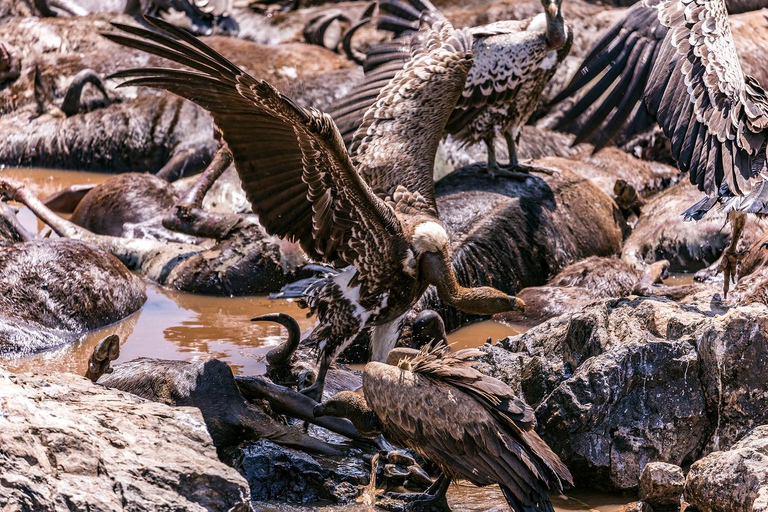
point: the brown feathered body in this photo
(469, 424)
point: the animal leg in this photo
(187, 216)
(183, 160)
(71, 104)
(732, 257)
(106, 351)
(433, 499)
(315, 391)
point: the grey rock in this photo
(68, 444)
(283, 474)
(661, 486)
(735, 480)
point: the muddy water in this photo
(174, 325)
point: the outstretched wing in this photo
(398, 138)
(679, 56)
(408, 21)
(715, 116)
(292, 162)
(622, 60)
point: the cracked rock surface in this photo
(67, 444)
(625, 382)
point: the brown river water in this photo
(175, 325)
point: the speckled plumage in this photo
(513, 61)
(471, 425)
(362, 211)
(678, 58)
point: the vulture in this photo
(370, 212)
(514, 60)
(674, 62)
(471, 425)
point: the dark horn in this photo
(280, 355)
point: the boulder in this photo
(71, 445)
(279, 473)
(735, 480)
(629, 381)
(661, 486)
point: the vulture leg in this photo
(494, 170)
(514, 162)
(732, 257)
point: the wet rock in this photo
(511, 234)
(661, 486)
(733, 349)
(278, 473)
(735, 480)
(662, 232)
(64, 437)
(54, 291)
(628, 381)
(624, 408)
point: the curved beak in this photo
(517, 304)
(553, 9)
(319, 410)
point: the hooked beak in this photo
(517, 304)
(553, 9)
(319, 410)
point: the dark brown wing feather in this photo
(622, 61)
(292, 163)
(468, 423)
(680, 59)
(398, 138)
(715, 116)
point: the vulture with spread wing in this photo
(471, 425)
(373, 212)
(514, 60)
(675, 61)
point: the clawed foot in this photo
(729, 267)
(517, 171)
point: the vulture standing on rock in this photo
(675, 61)
(471, 425)
(514, 60)
(373, 212)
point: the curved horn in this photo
(346, 41)
(71, 104)
(280, 355)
